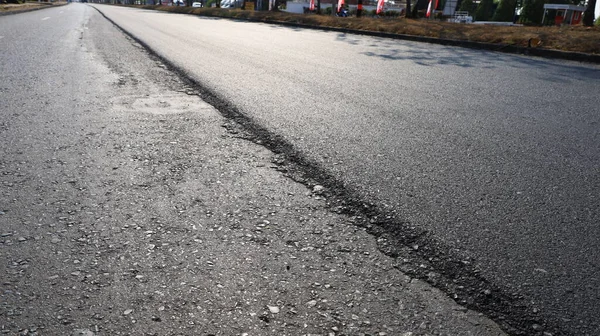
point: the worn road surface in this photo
(487, 164)
(128, 205)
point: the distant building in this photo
(564, 14)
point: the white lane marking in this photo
(46, 18)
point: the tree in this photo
(276, 5)
(467, 6)
(408, 13)
(505, 11)
(484, 10)
(588, 15)
(532, 12)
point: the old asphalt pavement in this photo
(130, 206)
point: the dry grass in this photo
(18, 7)
(26, 6)
(567, 38)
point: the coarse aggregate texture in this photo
(487, 163)
(130, 206)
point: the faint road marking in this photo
(46, 18)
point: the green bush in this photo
(391, 14)
(505, 11)
(467, 6)
(484, 10)
(532, 12)
(597, 23)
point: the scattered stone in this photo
(55, 240)
(128, 311)
(318, 189)
(462, 309)
(274, 309)
(311, 303)
(21, 239)
(6, 234)
(76, 273)
(82, 332)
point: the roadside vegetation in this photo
(565, 38)
(20, 5)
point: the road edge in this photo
(505, 48)
(430, 260)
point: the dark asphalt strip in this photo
(418, 253)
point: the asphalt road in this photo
(495, 156)
(128, 205)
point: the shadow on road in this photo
(429, 55)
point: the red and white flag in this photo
(311, 5)
(380, 4)
(340, 4)
(429, 9)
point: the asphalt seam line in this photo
(461, 281)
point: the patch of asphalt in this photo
(130, 206)
(417, 252)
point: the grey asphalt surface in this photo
(493, 156)
(130, 206)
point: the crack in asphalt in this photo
(419, 253)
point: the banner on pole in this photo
(380, 4)
(428, 9)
